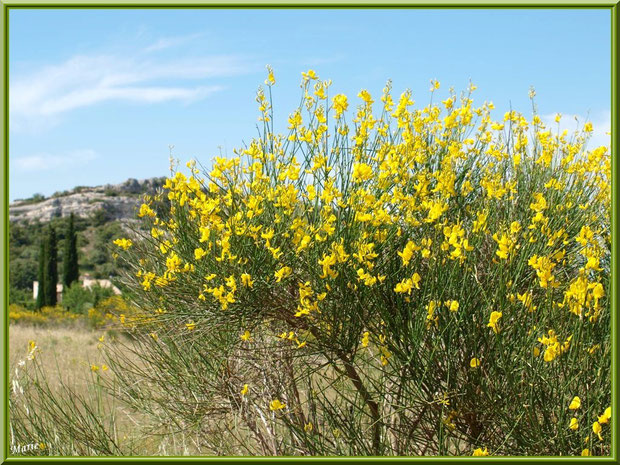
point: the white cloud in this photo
(48, 161)
(601, 135)
(84, 97)
(39, 98)
(169, 42)
(601, 123)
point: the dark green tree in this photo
(51, 267)
(70, 271)
(42, 260)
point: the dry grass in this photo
(65, 356)
(66, 352)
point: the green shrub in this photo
(79, 299)
(415, 282)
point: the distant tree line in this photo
(94, 234)
(48, 263)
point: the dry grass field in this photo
(66, 352)
(66, 355)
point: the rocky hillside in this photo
(116, 202)
(103, 213)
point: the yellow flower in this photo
(575, 403)
(539, 204)
(452, 305)
(574, 424)
(480, 452)
(436, 209)
(544, 270)
(365, 339)
(340, 104)
(493, 319)
(308, 427)
(311, 74)
(527, 300)
(362, 172)
(282, 273)
(271, 80)
(246, 336)
(407, 252)
(598, 292)
(404, 287)
(123, 243)
(365, 96)
(94, 368)
(245, 389)
(597, 429)
(276, 405)
(145, 210)
(246, 280)
(474, 362)
(585, 453)
(481, 223)
(605, 417)
(505, 245)
(430, 315)
(190, 326)
(199, 253)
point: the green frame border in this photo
(438, 4)
(6, 6)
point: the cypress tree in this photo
(51, 268)
(41, 277)
(70, 270)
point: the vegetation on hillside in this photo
(94, 236)
(48, 269)
(70, 271)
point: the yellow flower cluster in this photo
(440, 216)
(553, 347)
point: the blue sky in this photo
(97, 96)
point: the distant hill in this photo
(102, 214)
(118, 201)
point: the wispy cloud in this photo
(169, 42)
(601, 135)
(601, 123)
(42, 96)
(47, 161)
